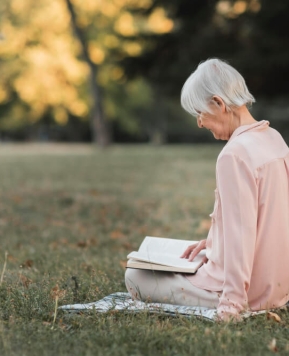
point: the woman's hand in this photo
(192, 251)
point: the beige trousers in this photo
(167, 287)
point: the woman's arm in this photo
(239, 203)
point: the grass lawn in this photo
(69, 215)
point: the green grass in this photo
(69, 215)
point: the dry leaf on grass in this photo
(272, 345)
(82, 244)
(27, 264)
(116, 234)
(273, 316)
(11, 258)
(24, 280)
(127, 246)
(87, 243)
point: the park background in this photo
(112, 71)
(96, 153)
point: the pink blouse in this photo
(248, 242)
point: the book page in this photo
(166, 252)
(166, 260)
(165, 246)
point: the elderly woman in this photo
(247, 248)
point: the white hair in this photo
(214, 77)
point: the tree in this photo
(99, 127)
(41, 75)
(43, 72)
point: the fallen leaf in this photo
(127, 246)
(81, 244)
(92, 241)
(24, 280)
(11, 258)
(27, 264)
(116, 234)
(273, 316)
(272, 346)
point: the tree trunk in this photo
(98, 125)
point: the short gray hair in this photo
(214, 77)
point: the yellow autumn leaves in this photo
(42, 70)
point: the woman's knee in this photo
(132, 279)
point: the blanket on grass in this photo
(123, 302)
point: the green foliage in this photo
(158, 43)
(128, 103)
(69, 217)
(50, 79)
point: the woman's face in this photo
(219, 122)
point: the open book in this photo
(162, 254)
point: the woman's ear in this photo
(219, 102)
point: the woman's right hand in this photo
(192, 251)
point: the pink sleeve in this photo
(239, 201)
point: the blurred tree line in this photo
(112, 70)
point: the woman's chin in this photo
(219, 137)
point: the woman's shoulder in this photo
(255, 148)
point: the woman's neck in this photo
(242, 116)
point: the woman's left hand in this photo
(192, 251)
